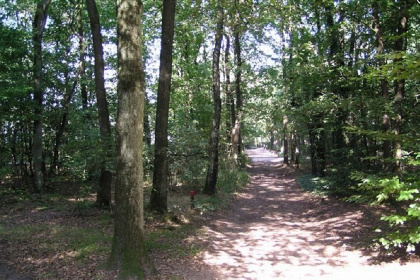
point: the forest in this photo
(331, 86)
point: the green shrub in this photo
(313, 184)
(231, 177)
(402, 193)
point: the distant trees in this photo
(58, 145)
(346, 96)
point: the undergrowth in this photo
(401, 194)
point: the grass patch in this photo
(215, 202)
(60, 241)
(175, 241)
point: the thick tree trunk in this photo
(213, 167)
(128, 252)
(37, 149)
(158, 199)
(103, 196)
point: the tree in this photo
(40, 20)
(236, 130)
(103, 197)
(230, 100)
(158, 199)
(128, 252)
(386, 122)
(213, 167)
(400, 82)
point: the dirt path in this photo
(276, 231)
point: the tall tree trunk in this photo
(285, 141)
(128, 253)
(82, 59)
(103, 195)
(147, 138)
(158, 199)
(213, 167)
(317, 145)
(312, 149)
(284, 89)
(386, 121)
(400, 48)
(230, 100)
(63, 122)
(336, 62)
(293, 147)
(37, 149)
(236, 132)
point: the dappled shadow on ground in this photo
(275, 230)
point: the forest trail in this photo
(274, 230)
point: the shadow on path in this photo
(276, 231)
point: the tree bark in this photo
(236, 132)
(63, 122)
(386, 121)
(103, 195)
(128, 253)
(336, 62)
(213, 167)
(37, 146)
(230, 100)
(158, 199)
(285, 141)
(400, 48)
(317, 145)
(82, 59)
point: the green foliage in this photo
(403, 194)
(212, 203)
(231, 177)
(313, 184)
(336, 183)
(79, 243)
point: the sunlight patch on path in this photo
(276, 231)
(262, 155)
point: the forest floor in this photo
(272, 230)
